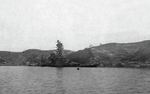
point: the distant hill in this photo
(9, 57)
(20, 58)
(106, 53)
(143, 54)
(81, 56)
(112, 52)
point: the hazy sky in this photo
(27, 24)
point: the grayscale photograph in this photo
(74, 46)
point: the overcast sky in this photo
(28, 24)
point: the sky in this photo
(38, 24)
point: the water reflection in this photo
(59, 82)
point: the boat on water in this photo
(57, 59)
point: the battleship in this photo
(57, 59)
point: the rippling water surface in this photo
(47, 80)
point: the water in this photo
(46, 80)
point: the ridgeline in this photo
(107, 55)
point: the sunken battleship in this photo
(57, 59)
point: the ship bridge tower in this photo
(59, 49)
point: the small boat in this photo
(77, 68)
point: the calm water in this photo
(46, 80)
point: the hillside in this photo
(109, 54)
(114, 53)
(20, 58)
(143, 54)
